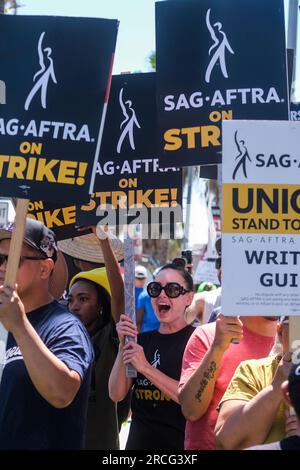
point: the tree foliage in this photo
(8, 6)
(152, 60)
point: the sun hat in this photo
(42, 239)
(98, 276)
(88, 248)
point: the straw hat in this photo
(88, 248)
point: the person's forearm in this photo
(196, 394)
(118, 384)
(115, 280)
(195, 310)
(51, 377)
(167, 385)
(251, 424)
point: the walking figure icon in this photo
(219, 47)
(156, 359)
(128, 123)
(242, 156)
(45, 73)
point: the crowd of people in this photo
(228, 383)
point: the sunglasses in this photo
(172, 289)
(218, 263)
(4, 258)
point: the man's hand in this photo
(292, 425)
(227, 328)
(282, 372)
(12, 312)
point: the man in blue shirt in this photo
(45, 382)
(140, 275)
(146, 319)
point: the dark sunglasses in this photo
(218, 263)
(4, 258)
(172, 289)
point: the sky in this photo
(136, 36)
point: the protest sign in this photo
(216, 60)
(53, 102)
(260, 219)
(61, 219)
(50, 120)
(129, 184)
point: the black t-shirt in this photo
(157, 421)
(290, 443)
(27, 420)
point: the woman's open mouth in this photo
(163, 308)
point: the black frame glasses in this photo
(4, 258)
(172, 289)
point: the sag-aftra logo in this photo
(2, 92)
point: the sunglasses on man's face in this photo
(4, 258)
(172, 289)
(218, 263)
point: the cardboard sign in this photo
(206, 271)
(209, 172)
(53, 89)
(129, 183)
(216, 61)
(130, 127)
(61, 219)
(260, 219)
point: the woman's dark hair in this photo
(294, 387)
(103, 299)
(184, 274)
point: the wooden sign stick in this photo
(16, 242)
(129, 278)
(13, 264)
